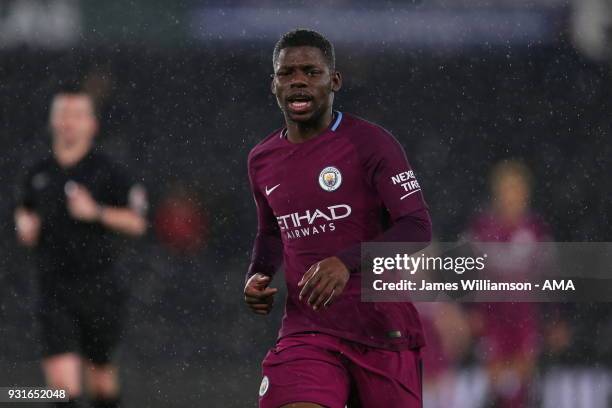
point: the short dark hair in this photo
(74, 87)
(306, 38)
(69, 87)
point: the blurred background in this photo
(183, 89)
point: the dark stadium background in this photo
(181, 111)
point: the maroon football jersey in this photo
(510, 328)
(323, 196)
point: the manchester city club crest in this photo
(263, 388)
(330, 178)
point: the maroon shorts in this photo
(334, 373)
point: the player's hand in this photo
(27, 225)
(81, 204)
(257, 295)
(324, 282)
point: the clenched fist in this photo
(81, 204)
(257, 295)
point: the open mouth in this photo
(299, 103)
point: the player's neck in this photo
(69, 155)
(299, 132)
(512, 218)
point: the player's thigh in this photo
(63, 371)
(303, 374)
(384, 378)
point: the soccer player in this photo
(508, 334)
(73, 203)
(324, 184)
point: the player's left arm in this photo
(387, 170)
(125, 213)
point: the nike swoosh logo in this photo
(409, 194)
(268, 192)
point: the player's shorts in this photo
(84, 320)
(334, 373)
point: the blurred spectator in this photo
(180, 222)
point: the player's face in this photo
(303, 83)
(511, 195)
(72, 119)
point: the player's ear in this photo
(336, 81)
(273, 86)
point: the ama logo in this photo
(553, 284)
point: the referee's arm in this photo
(27, 226)
(124, 220)
(27, 219)
(128, 220)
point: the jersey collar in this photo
(333, 127)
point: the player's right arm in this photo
(266, 257)
(257, 295)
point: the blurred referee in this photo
(74, 203)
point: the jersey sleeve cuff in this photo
(351, 258)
